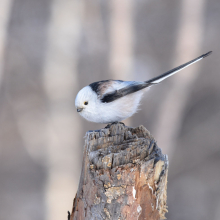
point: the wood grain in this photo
(124, 176)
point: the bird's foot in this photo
(114, 123)
(68, 218)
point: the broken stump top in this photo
(124, 176)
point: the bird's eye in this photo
(85, 103)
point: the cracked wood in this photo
(124, 176)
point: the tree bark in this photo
(124, 176)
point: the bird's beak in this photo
(79, 109)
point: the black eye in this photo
(86, 103)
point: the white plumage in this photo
(115, 100)
(101, 112)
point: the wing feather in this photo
(111, 90)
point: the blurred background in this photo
(49, 49)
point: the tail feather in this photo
(165, 75)
(133, 87)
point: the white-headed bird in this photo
(111, 101)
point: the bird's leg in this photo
(113, 123)
(68, 218)
(121, 123)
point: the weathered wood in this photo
(124, 176)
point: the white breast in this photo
(99, 112)
(118, 110)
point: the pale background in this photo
(49, 49)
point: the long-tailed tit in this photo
(110, 101)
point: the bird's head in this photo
(85, 102)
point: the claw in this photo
(114, 123)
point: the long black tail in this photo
(134, 87)
(169, 73)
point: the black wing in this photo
(110, 97)
(131, 87)
(100, 87)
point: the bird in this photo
(112, 101)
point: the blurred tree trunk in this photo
(124, 176)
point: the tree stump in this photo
(124, 176)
